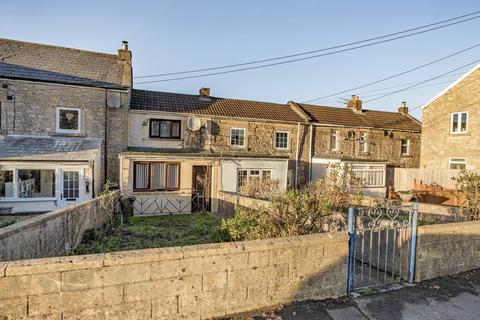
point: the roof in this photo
(367, 118)
(32, 61)
(198, 154)
(212, 106)
(441, 93)
(16, 147)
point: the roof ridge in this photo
(36, 44)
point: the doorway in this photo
(201, 188)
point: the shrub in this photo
(295, 212)
(469, 183)
(264, 188)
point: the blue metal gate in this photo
(382, 245)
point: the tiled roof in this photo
(213, 106)
(48, 148)
(95, 66)
(367, 118)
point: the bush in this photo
(469, 183)
(263, 189)
(295, 212)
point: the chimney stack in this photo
(125, 57)
(204, 92)
(355, 104)
(403, 109)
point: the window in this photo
(68, 120)
(237, 137)
(370, 175)
(459, 122)
(281, 140)
(333, 140)
(156, 176)
(363, 141)
(36, 183)
(71, 190)
(6, 183)
(168, 129)
(457, 163)
(245, 176)
(405, 149)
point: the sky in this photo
(171, 36)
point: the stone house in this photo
(63, 118)
(187, 151)
(450, 130)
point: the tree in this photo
(469, 184)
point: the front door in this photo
(72, 187)
(201, 188)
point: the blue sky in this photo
(168, 36)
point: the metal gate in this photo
(382, 246)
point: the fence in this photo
(404, 178)
(50, 234)
(193, 282)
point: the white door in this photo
(72, 188)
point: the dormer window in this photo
(68, 120)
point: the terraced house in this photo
(186, 151)
(63, 119)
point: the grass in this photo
(153, 232)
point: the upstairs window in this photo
(167, 129)
(156, 176)
(459, 122)
(405, 149)
(281, 139)
(68, 120)
(457, 163)
(237, 137)
(334, 140)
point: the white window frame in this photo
(408, 147)
(450, 162)
(57, 120)
(260, 174)
(459, 122)
(275, 139)
(363, 144)
(244, 138)
(336, 148)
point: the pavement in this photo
(454, 297)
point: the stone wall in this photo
(379, 146)
(438, 144)
(228, 203)
(35, 114)
(194, 282)
(50, 234)
(446, 249)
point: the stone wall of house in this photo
(380, 146)
(438, 144)
(50, 234)
(446, 249)
(34, 113)
(193, 282)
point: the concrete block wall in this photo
(193, 282)
(446, 249)
(49, 234)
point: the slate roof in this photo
(367, 118)
(49, 148)
(25, 60)
(213, 106)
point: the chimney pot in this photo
(204, 92)
(124, 45)
(403, 109)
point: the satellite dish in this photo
(193, 123)
(351, 135)
(114, 102)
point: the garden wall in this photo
(228, 202)
(192, 282)
(446, 249)
(50, 234)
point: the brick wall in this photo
(49, 234)
(194, 282)
(445, 249)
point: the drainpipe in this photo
(105, 140)
(297, 155)
(310, 157)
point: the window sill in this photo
(27, 199)
(169, 139)
(459, 134)
(61, 134)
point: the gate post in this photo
(413, 244)
(351, 248)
